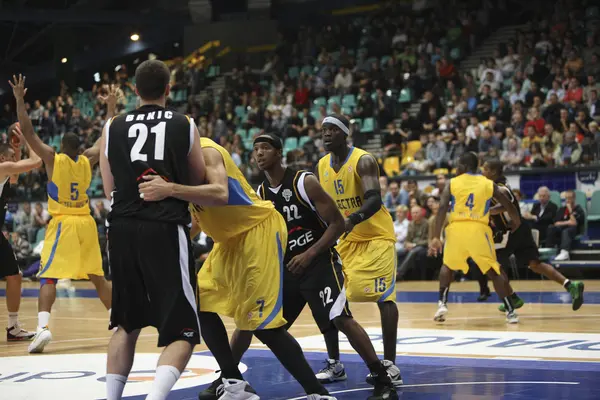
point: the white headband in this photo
(336, 122)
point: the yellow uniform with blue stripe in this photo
(242, 277)
(368, 253)
(468, 234)
(71, 247)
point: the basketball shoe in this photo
(333, 372)
(17, 334)
(40, 340)
(393, 372)
(235, 389)
(440, 315)
(512, 318)
(210, 393)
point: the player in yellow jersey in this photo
(242, 276)
(351, 177)
(468, 197)
(71, 248)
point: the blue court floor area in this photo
(401, 297)
(429, 378)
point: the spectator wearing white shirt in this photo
(470, 132)
(401, 229)
(343, 81)
(557, 90)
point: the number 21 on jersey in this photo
(140, 132)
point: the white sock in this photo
(13, 319)
(115, 384)
(43, 319)
(565, 283)
(164, 380)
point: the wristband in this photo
(356, 218)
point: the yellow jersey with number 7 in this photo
(67, 191)
(470, 198)
(345, 187)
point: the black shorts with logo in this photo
(154, 279)
(522, 245)
(8, 260)
(321, 287)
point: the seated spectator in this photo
(401, 230)
(531, 136)
(457, 149)
(416, 242)
(22, 248)
(574, 93)
(41, 217)
(569, 152)
(510, 134)
(437, 154)
(418, 166)
(343, 81)
(513, 156)
(543, 213)
(393, 139)
(395, 196)
(568, 223)
(487, 141)
(440, 185)
(535, 120)
(24, 222)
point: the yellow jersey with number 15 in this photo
(470, 198)
(67, 191)
(243, 211)
(345, 187)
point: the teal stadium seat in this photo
(335, 99)
(555, 198)
(594, 214)
(349, 100)
(293, 72)
(243, 134)
(303, 140)
(405, 96)
(252, 132)
(308, 70)
(347, 110)
(240, 111)
(320, 101)
(581, 199)
(290, 144)
(368, 125)
(39, 236)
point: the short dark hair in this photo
(151, 79)
(470, 161)
(70, 141)
(497, 167)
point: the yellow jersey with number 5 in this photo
(345, 187)
(67, 191)
(470, 198)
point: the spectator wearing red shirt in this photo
(301, 95)
(536, 121)
(574, 93)
(446, 69)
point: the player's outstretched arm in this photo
(108, 181)
(368, 170)
(327, 209)
(509, 207)
(45, 152)
(214, 193)
(111, 99)
(435, 244)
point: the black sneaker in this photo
(484, 296)
(383, 391)
(210, 393)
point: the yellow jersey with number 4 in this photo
(470, 198)
(67, 191)
(345, 187)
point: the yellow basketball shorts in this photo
(470, 239)
(369, 270)
(71, 248)
(242, 278)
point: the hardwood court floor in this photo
(79, 323)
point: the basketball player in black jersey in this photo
(11, 166)
(521, 242)
(314, 272)
(154, 280)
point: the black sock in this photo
(567, 285)
(514, 296)
(333, 343)
(289, 353)
(444, 294)
(378, 372)
(508, 304)
(215, 337)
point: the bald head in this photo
(543, 195)
(417, 213)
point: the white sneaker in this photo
(333, 372)
(17, 333)
(393, 372)
(235, 389)
(562, 256)
(512, 318)
(319, 397)
(440, 315)
(40, 340)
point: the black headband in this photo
(273, 141)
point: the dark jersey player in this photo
(11, 166)
(154, 282)
(314, 272)
(521, 243)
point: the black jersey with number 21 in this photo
(149, 141)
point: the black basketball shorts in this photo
(154, 279)
(521, 244)
(321, 287)
(8, 260)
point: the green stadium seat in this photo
(368, 125)
(347, 110)
(335, 99)
(308, 70)
(320, 101)
(594, 214)
(405, 96)
(315, 114)
(385, 60)
(39, 236)
(251, 133)
(555, 198)
(303, 140)
(455, 53)
(293, 72)
(581, 199)
(240, 111)
(243, 133)
(290, 144)
(349, 100)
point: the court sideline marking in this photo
(453, 384)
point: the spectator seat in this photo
(405, 96)
(334, 99)
(581, 199)
(594, 213)
(349, 100)
(290, 144)
(315, 114)
(243, 134)
(411, 148)
(319, 101)
(240, 111)
(303, 140)
(391, 166)
(308, 70)
(346, 110)
(555, 198)
(252, 132)
(293, 72)
(39, 236)
(385, 60)
(368, 125)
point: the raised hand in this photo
(111, 99)
(18, 86)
